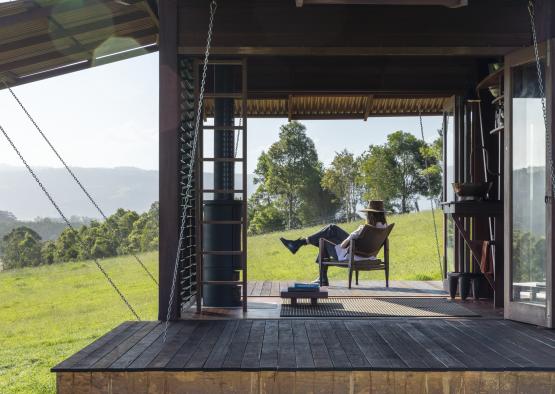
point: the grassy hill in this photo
(50, 312)
(413, 253)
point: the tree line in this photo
(295, 190)
(47, 228)
(124, 232)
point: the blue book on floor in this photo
(306, 286)
(294, 289)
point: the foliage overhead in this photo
(342, 179)
(396, 171)
(289, 176)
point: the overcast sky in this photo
(107, 116)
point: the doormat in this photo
(376, 307)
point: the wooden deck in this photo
(228, 351)
(368, 288)
(414, 344)
(423, 356)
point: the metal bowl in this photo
(476, 190)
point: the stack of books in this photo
(304, 287)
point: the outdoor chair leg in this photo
(356, 277)
(350, 277)
(386, 277)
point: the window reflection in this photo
(529, 180)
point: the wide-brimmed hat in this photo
(374, 206)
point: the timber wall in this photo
(305, 382)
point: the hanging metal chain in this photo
(238, 136)
(67, 222)
(431, 197)
(188, 186)
(77, 181)
(548, 140)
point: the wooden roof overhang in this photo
(45, 38)
(345, 59)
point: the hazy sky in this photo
(107, 116)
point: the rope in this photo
(548, 141)
(67, 222)
(188, 187)
(72, 174)
(431, 198)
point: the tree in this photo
(289, 174)
(342, 179)
(396, 171)
(434, 156)
(48, 252)
(21, 247)
(67, 247)
(144, 235)
(265, 219)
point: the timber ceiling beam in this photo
(272, 27)
(476, 51)
(443, 3)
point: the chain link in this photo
(67, 222)
(238, 136)
(188, 186)
(431, 198)
(72, 174)
(548, 140)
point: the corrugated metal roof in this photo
(43, 38)
(338, 106)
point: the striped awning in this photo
(338, 106)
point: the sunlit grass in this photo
(413, 254)
(50, 312)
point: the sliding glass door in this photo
(527, 286)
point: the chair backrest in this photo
(371, 240)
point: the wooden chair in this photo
(368, 244)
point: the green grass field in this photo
(48, 313)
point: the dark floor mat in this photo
(373, 307)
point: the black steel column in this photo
(222, 237)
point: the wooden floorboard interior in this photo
(365, 288)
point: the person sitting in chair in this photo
(339, 238)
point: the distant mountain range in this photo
(113, 188)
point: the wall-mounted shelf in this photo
(492, 79)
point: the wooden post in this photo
(169, 156)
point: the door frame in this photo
(542, 316)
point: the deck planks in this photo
(367, 288)
(319, 345)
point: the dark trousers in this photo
(332, 233)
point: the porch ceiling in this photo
(44, 38)
(338, 106)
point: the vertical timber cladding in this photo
(187, 255)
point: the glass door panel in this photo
(529, 253)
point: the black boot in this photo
(293, 245)
(324, 276)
